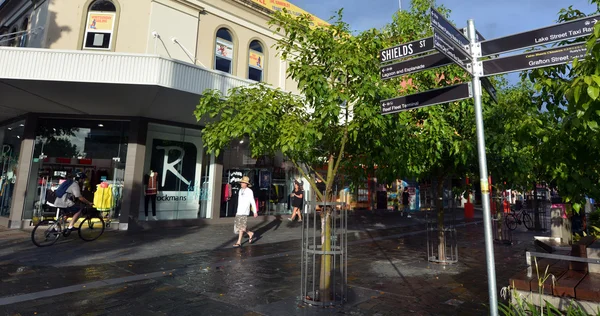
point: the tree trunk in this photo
(325, 280)
(325, 275)
(440, 221)
(536, 211)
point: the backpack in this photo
(51, 196)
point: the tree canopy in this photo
(571, 95)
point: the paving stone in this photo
(387, 276)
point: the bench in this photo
(576, 276)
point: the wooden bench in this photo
(570, 269)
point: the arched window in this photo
(256, 61)
(13, 37)
(224, 51)
(100, 25)
(25, 35)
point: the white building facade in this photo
(108, 87)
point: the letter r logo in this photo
(170, 166)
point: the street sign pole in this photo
(483, 171)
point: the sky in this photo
(492, 18)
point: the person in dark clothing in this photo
(405, 199)
(297, 201)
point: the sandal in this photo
(251, 239)
(237, 245)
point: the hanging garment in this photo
(226, 192)
(151, 183)
(103, 198)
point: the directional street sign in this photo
(450, 49)
(553, 33)
(535, 59)
(405, 50)
(489, 87)
(478, 36)
(414, 65)
(440, 23)
(431, 97)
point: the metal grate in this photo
(500, 231)
(324, 261)
(442, 245)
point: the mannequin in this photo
(150, 191)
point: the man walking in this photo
(245, 204)
(405, 198)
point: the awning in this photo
(94, 83)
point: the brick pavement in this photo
(388, 275)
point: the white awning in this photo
(54, 81)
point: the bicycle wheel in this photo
(527, 221)
(91, 228)
(46, 233)
(510, 221)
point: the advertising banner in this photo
(100, 21)
(256, 59)
(178, 164)
(224, 49)
(279, 5)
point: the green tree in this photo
(571, 94)
(519, 137)
(436, 142)
(338, 77)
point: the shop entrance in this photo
(64, 147)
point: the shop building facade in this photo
(108, 87)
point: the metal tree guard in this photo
(500, 230)
(315, 275)
(450, 242)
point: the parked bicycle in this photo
(47, 232)
(517, 218)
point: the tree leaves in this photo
(593, 92)
(571, 96)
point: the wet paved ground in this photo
(194, 271)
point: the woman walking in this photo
(245, 204)
(297, 201)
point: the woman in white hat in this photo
(245, 204)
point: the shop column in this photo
(134, 173)
(23, 173)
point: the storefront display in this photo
(11, 137)
(64, 147)
(271, 177)
(177, 156)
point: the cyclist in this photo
(72, 191)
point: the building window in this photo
(256, 61)
(25, 34)
(100, 25)
(11, 137)
(176, 156)
(224, 51)
(12, 38)
(3, 37)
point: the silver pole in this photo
(483, 173)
